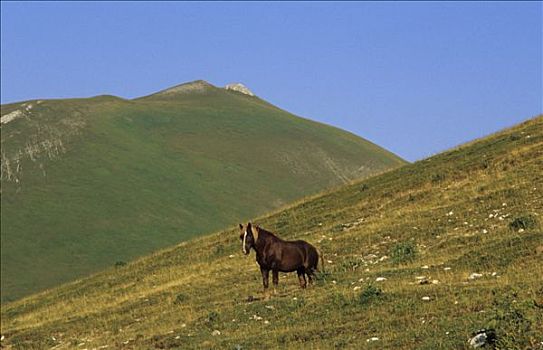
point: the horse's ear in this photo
(249, 225)
(240, 226)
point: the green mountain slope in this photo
(427, 228)
(90, 182)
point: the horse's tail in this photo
(322, 259)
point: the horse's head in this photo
(248, 237)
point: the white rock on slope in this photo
(239, 87)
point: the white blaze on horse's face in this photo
(244, 239)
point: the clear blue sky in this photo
(416, 78)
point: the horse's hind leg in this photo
(310, 275)
(301, 277)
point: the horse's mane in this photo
(266, 232)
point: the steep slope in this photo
(87, 183)
(426, 228)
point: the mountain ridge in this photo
(90, 182)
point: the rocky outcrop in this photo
(239, 87)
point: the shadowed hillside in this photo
(418, 258)
(88, 183)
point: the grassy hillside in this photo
(427, 228)
(90, 182)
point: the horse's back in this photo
(311, 254)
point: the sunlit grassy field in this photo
(87, 183)
(417, 258)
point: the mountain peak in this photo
(197, 86)
(239, 87)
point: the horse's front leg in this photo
(265, 277)
(275, 279)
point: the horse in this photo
(277, 255)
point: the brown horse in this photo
(275, 254)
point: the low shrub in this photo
(524, 222)
(403, 252)
(369, 294)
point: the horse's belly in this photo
(287, 268)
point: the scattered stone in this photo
(426, 298)
(294, 298)
(435, 282)
(483, 337)
(231, 256)
(216, 332)
(484, 231)
(334, 282)
(475, 275)
(270, 307)
(446, 268)
(425, 267)
(520, 230)
(178, 337)
(2, 338)
(266, 322)
(380, 279)
(372, 339)
(257, 318)
(357, 288)
(494, 274)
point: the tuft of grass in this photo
(403, 252)
(120, 263)
(181, 299)
(524, 222)
(369, 294)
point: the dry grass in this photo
(454, 209)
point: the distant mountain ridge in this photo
(89, 182)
